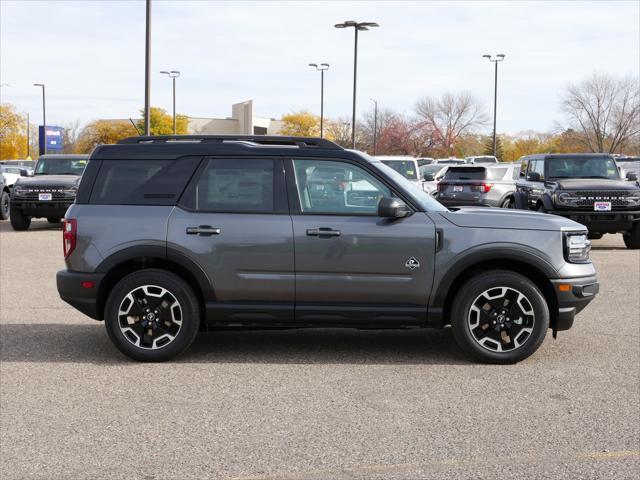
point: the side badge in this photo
(412, 263)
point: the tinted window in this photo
(233, 185)
(142, 182)
(465, 173)
(496, 173)
(583, 167)
(337, 187)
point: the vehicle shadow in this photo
(36, 225)
(48, 343)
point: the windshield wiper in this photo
(598, 176)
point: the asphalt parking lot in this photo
(311, 404)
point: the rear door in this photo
(233, 221)
(351, 265)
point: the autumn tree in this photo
(301, 124)
(449, 117)
(13, 133)
(604, 110)
(102, 132)
(162, 123)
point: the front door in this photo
(352, 265)
(234, 223)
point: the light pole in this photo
(375, 126)
(44, 119)
(173, 74)
(322, 67)
(357, 26)
(147, 71)
(499, 57)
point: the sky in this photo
(90, 55)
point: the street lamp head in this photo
(324, 65)
(175, 73)
(500, 56)
(368, 24)
(38, 84)
(486, 56)
(313, 65)
(171, 73)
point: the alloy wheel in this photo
(150, 317)
(501, 319)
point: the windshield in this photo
(406, 168)
(485, 160)
(582, 167)
(60, 166)
(432, 169)
(422, 198)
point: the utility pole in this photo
(173, 74)
(322, 67)
(44, 119)
(375, 126)
(499, 58)
(147, 72)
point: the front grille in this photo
(32, 193)
(586, 198)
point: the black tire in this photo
(632, 237)
(189, 313)
(19, 222)
(508, 202)
(595, 236)
(4, 205)
(529, 339)
(541, 209)
(53, 220)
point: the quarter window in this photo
(337, 188)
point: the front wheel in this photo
(152, 315)
(19, 221)
(499, 316)
(508, 203)
(632, 237)
(4, 205)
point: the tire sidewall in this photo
(178, 288)
(19, 221)
(4, 205)
(472, 289)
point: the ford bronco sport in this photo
(49, 192)
(171, 235)
(586, 188)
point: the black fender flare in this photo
(546, 201)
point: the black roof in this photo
(173, 146)
(551, 156)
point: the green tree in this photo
(488, 148)
(162, 122)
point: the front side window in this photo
(234, 185)
(537, 166)
(337, 188)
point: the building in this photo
(242, 122)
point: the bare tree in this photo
(605, 111)
(450, 117)
(339, 131)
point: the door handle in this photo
(322, 232)
(204, 230)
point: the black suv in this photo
(172, 234)
(49, 192)
(587, 188)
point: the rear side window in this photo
(233, 185)
(496, 173)
(465, 173)
(142, 182)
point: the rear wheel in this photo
(499, 317)
(152, 315)
(4, 205)
(508, 203)
(19, 221)
(632, 237)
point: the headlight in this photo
(576, 248)
(18, 190)
(563, 198)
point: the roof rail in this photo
(258, 140)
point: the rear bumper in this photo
(41, 209)
(82, 298)
(573, 294)
(602, 222)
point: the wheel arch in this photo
(531, 266)
(138, 258)
(545, 201)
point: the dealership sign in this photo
(54, 138)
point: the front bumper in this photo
(602, 222)
(73, 289)
(34, 208)
(573, 294)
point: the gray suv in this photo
(172, 235)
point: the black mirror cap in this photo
(632, 176)
(393, 208)
(428, 177)
(534, 177)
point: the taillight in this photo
(481, 187)
(440, 186)
(69, 235)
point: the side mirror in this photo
(632, 176)
(24, 172)
(393, 208)
(534, 177)
(428, 177)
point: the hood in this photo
(38, 180)
(595, 184)
(505, 218)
